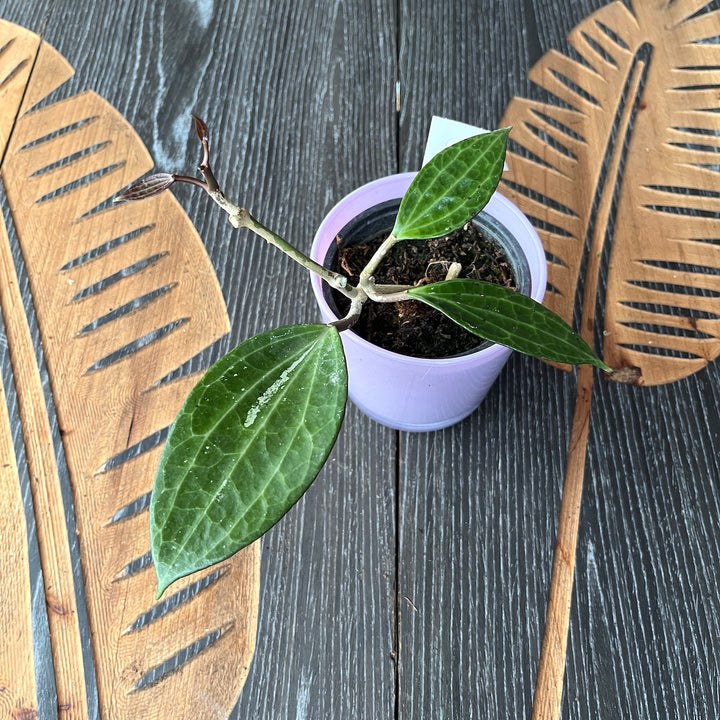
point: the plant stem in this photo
(240, 217)
(385, 293)
(376, 259)
(381, 293)
(353, 313)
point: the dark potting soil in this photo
(411, 327)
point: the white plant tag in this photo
(444, 132)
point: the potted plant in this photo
(404, 391)
(258, 427)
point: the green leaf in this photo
(250, 439)
(509, 318)
(452, 188)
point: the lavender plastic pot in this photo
(418, 394)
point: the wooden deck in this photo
(412, 580)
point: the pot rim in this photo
(393, 187)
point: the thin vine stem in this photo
(376, 259)
(240, 217)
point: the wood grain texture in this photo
(326, 639)
(477, 529)
(17, 667)
(52, 533)
(292, 94)
(491, 675)
(463, 61)
(255, 167)
(468, 601)
(551, 668)
(629, 131)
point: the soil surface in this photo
(411, 327)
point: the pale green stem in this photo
(240, 217)
(398, 293)
(385, 293)
(376, 259)
(382, 293)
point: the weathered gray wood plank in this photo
(461, 60)
(301, 103)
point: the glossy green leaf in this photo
(251, 437)
(452, 188)
(509, 318)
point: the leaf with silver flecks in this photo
(250, 439)
(450, 190)
(509, 318)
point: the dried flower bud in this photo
(630, 375)
(147, 187)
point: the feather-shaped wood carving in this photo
(619, 168)
(634, 134)
(124, 295)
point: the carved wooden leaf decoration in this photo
(631, 133)
(124, 295)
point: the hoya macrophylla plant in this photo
(258, 427)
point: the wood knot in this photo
(24, 714)
(57, 608)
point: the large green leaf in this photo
(509, 318)
(453, 187)
(251, 437)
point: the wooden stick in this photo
(47, 497)
(548, 689)
(549, 686)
